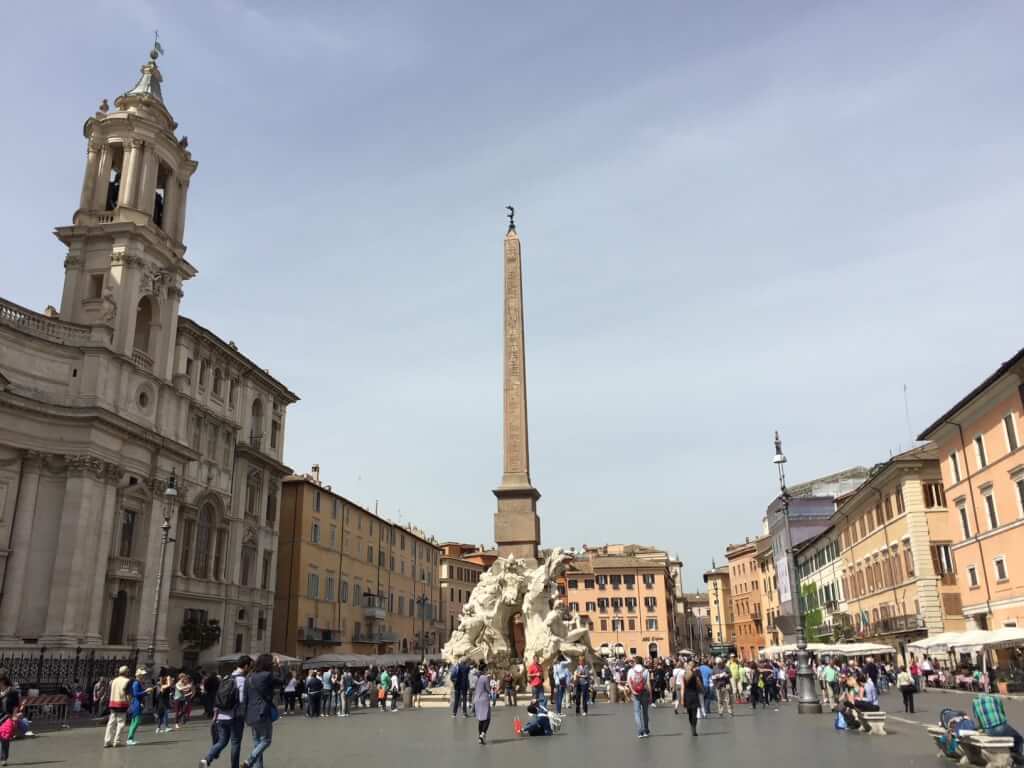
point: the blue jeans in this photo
(459, 699)
(582, 697)
(641, 703)
(1008, 730)
(261, 736)
(538, 693)
(559, 697)
(228, 731)
(709, 699)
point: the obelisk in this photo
(516, 525)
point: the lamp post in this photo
(807, 690)
(422, 601)
(718, 611)
(170, 496)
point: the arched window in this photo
(204, 531)
(218, 382)
(248, 564)
(144, 316)
(219, 548)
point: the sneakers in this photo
(131, 743)
(482, 738)
(203, 763)
(107, 745)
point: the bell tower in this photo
(126, 256)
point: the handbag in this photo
(840, 722)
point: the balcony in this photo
(142, 361)
(895, 624)
(374, 612)
(948, 579)
(318, 636)
(376, 638)
(125, 568)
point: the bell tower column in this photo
(92, 170)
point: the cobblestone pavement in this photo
(431, 737)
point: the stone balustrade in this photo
(142, 360)
(42, 326)
(125, 567)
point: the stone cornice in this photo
(72, 415)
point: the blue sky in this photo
(735, 217)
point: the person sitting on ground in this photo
(540, 723)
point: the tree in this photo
(199, 635)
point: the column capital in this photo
(79, 465)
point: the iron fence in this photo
(51, 672)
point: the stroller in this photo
(952, 721)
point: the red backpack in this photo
(637, 682)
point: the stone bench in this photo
(939, 735)
(875, 721)
(984, 750)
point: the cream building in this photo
(104, 401)
(720, 605)
(822, 600)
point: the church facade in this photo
(114, 400)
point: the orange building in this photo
(980, 450)
(626, 593)
(745, 593)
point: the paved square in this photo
(431, 738)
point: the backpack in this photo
(226, 699)
(636, 682)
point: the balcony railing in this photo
(42, 326)
(374, 637)
(125, 568)
(318, 636)
(374, 612)
(142, 360)
(894, 624)
(948, 579)
(256, 440)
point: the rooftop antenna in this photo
(906, 411)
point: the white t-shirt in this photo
(677, 678)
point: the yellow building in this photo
(898, 578)
(349, 581)
(626, 593)
(769, 591)
(720, 605)
(461, 567)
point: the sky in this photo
(736, 217)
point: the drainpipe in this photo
(974, 512)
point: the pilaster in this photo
(15, 585)
(82, 495)
(101, 555)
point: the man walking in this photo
(561, 682)
(639, 682)
(721, 679)
(582, 686)
(709, 692)
(118, 708)
(229, 708)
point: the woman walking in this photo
(905, 683)
(139, 693)
(183, 692)
(290, 693)
(260, 712)
(164, 692)
(482, 702)
(692, 695)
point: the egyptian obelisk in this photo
(516, 525)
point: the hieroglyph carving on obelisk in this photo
(516, 525)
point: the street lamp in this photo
(170, 497)
(807, 690)
(718, 611)
(422, 601)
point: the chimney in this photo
(316, 473)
